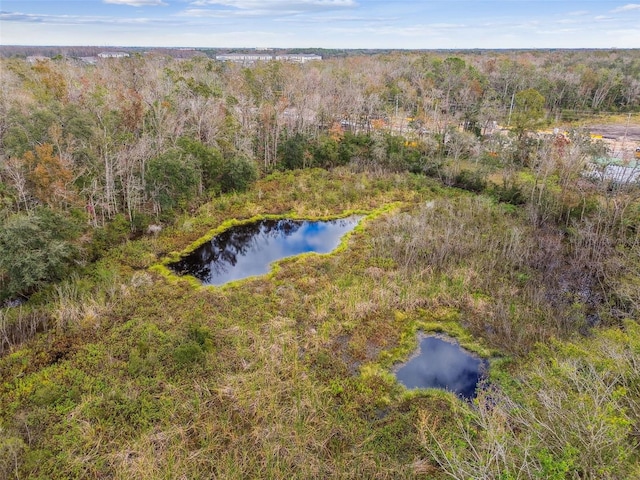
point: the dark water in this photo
(445, 365)
(13, 302)
(247, 250)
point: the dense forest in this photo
(491, 216)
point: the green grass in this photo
(289, 375)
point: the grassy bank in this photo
(289, 375)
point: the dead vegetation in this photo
(289, 375)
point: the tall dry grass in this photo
(571, 413)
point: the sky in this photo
(396, 24)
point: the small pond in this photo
(248, 250)
(440, 363)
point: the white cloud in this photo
(627, 8)
(71, 20)
(263, 8)
(277, 4)
(321, 23)
(302, 19)
(228, 14)
(137, 3)
(446, 26)
(205, 13)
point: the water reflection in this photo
(445, 365)
(247, 250)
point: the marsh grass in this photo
(19, 325)
(570, 416)
(289, 375)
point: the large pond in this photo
(440, 363)
(248, 250)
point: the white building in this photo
(299, 57)
(245, 57)
(113, 54)
(266, 57)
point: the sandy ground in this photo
(621, 138)
(617, 132)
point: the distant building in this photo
(266, 57)
(113, 54)
(245, 57)
(299, 57)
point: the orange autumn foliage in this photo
(49, 177)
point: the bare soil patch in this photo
(617, 131)
(622, 139)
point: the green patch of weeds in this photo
(130, 411)
(137, 255)
(194, 347)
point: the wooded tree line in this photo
(140, 139)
